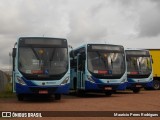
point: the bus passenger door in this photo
(81, 71)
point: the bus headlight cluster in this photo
(65, 81)
(151, 78)
(90, 79)
(123, 80)
(20, 81)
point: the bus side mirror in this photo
(14, 52)
(151, 59)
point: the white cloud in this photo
(149, 25)
(127, 22)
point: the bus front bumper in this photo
(24, 89)
(131, 85)
(100, 87)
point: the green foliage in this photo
(8, 87)
(7, 94)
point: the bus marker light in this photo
(20, 81)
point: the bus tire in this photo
(108, 93)
(136, 90)
(20, 97)
(80, 92)
(57, 96)
(156, 84)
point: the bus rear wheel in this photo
(57, 96)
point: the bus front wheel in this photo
(20, 97)
(136, 90)
(80, 93)
(109, 93)
(156, 85)
(57, 96)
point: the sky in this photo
(131, 23)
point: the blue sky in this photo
(131, 23)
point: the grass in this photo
(7, 93)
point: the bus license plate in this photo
(138, 85)
(43, 92)
(108, 88)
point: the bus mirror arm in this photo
(14, 52)
(152, 59)
(72, 54)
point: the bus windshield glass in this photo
(138, 63)
(43, 62)
(106, 62)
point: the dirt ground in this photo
(120, 101)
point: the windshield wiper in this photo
(139, 65)
(51, 58)
(112, 63)
(53, 52)
(35, 53)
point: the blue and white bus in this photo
(98, 68)
(139, 69)
(41, 66)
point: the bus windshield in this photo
(43, 62)
(106, 63)
(138, 64)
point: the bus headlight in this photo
(151, 78)
(123, 80)
(90, 79)
(65, 81)
(20, 81)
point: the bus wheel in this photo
(136, 90)
(156, 85)
(20, 97)
(109, 93)
(57, 96)
(80, 92)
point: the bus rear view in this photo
(139, 69)
(41, 66)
